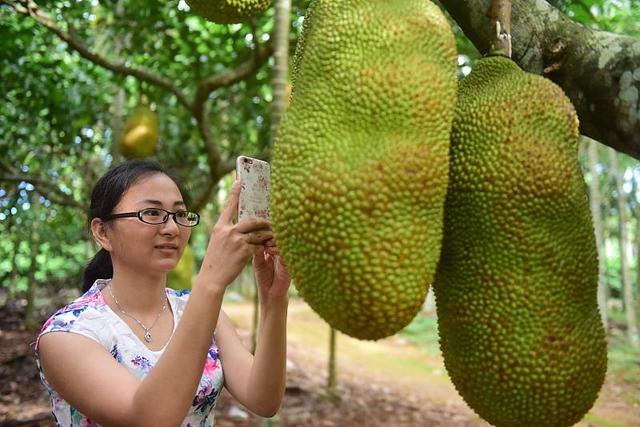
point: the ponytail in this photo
(99, 267)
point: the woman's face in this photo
(147, 247)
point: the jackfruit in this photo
(181, 277)
(516, 285)
(360, 163)
(228, 11)
(140, 135)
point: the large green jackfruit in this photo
(228, 11)
(361, 160)
(516, 286)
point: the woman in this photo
(141, 354)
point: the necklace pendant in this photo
(147, 336)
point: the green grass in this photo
(411, 361)
(601, 422)
(624, 364)
(423, 332)
(624, 360)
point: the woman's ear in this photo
(100, 234)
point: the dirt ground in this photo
(387, 383)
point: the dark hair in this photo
(106, 194)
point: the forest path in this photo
(395, 366)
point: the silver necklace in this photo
(147, 331)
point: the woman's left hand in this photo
(271, 273)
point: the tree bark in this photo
(599, 71)
(629, 301)
(595, 200)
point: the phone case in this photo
(255, 176)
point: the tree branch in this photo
(214, 159)
(199, 106)
(241, 72)
(32, 10)
(500, 15)
(599, 71)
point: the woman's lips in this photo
(168, 249)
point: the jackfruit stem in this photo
(500, 14)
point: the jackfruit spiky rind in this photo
(361, 161)
(516, 286)
(228, 11)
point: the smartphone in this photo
(255, 176)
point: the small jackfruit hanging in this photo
(228, 11)
(361, 160)
(140, 135)
(516, 285)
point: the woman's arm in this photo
(258, 382)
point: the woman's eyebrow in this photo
(159, 203)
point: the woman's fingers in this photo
(253, 224)
(259, 237)
(231, 206)
(272, 250)
(255, 249)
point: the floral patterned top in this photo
(89, 315)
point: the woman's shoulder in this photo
(81, 315)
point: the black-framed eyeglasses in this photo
(157, 216)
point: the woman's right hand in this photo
(231, 245)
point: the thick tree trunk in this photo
(595, 200)
(629, 301)
(599, 71)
